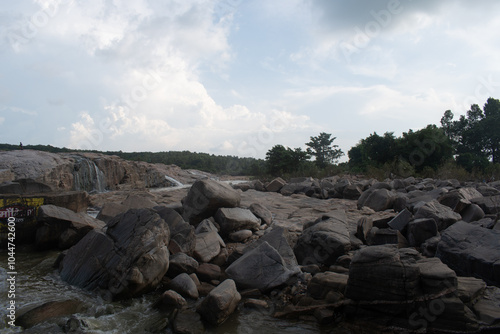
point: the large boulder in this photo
(220, 303)
(261, 212)
(181, 263)
(490, 205)
(236, 219)
(205, 197)
(208, 246)
(420, 230)
(262, 268)
(182, 237)
(377, 199)
(110, 210)
(471, 250)
(131, 257)
(323, 283)
(443, 215)
(459, 199)
(275, 185)
(324, 241)
(62, 228)
(185, 286)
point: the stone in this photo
(208, 246)
(383, 273)
(324, 316)
(262, 268)
(383, 236)
(139, 202)
(171, 300)
(205, 197)
(240, 236)
(236, 219)
(400, 221)
(323, 242)
(420, 230)
(443, 215)
(275, 185)
(261, 212)
(182, 237)
(28, 318)
(436, 278)
(472, 213)
(429, 247)
(490, 205)
(471, 251)
(364, 225)
(352, 192)
(111, 210)
(208, 272)
(459, 199)
(220, 303)
(487, 191)
(61, 227)
(131, 257)
(188, 322)
(24, 186)
(377, 199)
(185, 286)
(323, 283)
(469, 289)
(488, 307)
(181, 263)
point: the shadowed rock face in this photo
(130, 258)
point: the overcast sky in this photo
(236, 77)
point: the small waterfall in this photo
(87, 176)
(173, 181)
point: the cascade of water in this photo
(174, 181)
(87, 176)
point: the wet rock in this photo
(62, 228)
(220, 303)
(275, 185)
(205, 197)
(188, 322)
(171, 300)
(471, 251)
(181, 263)
(443, 215)
(28, 318)
(262, 268)
(236, 219)
(324, 241)
(129, 258)
(420, 230)
(185, 286)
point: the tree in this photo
(491, 128)
(322, 149)
(280, 159)
(374, 151)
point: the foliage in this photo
(280, 160)
(322, 149)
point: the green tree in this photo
(280, 159)
(373, 151)
(490, 125)
(322, 149)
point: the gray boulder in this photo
(240, 236)
(261, 212)
(275, 185)
(421, 230)
(364, 225)
(352, 191)
(471, 251)
(62, 228)
(182, 238)
(490, 205)
(220, 303)
(181, 263)
(323, 283)
(472, 213)
(111, 210)
(324, 241)
(377, 199)
(236, 219)
(262, 268)
(443, 215)
(208, 246)
(185, 286)
(130, 258)
(459, 199)
(205, 197)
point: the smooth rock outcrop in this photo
(128, 259)
(205, 197)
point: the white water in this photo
(174, 181)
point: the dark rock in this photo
(24, 186)
(171, 300)
(352, 192)
(28, 318)
(208, 246)
(377, 199)
(261, 212)
(111, 210)
(471, 251)
(262, 268)
(236, 219)
(130, 258)
(488, 191)
(139, 202)
(400, 221)
(61, 227)
(275, 185)
(322, 283)
(364, 225)
(240, 236)
(181, 263)
(459, 199)
(208, 272)
(220, 303)
(383, 236)
(324, 241)
(185, 286)
(472, 213)
(429, 247)
(188, 322)
(469, 289)
(436, 278)
(443, 215)
(485, 222)
(490, 205)
(420, 230)
(488, 307)
(182, 238)
(205, 197)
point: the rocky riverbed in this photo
(337, 255)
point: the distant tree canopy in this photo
(322, 149)
(280, 159)
(475, 137)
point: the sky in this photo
(236, 77)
